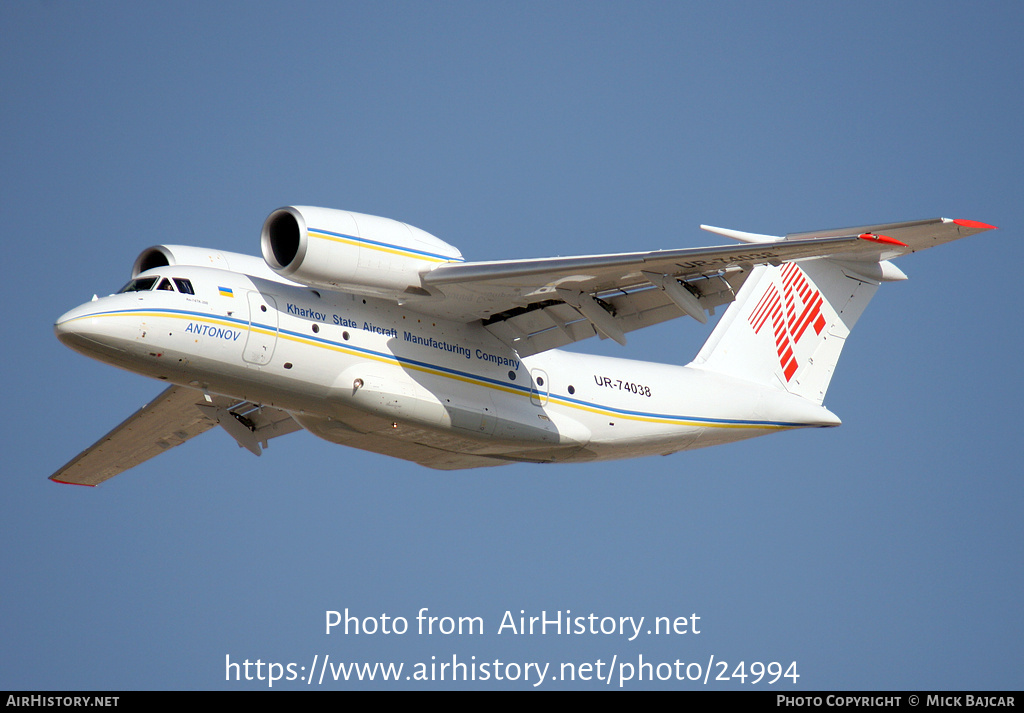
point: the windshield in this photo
(140, 284)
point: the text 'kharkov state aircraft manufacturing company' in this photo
(377, 335)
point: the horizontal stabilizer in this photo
(742, 236)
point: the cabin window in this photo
(165, 284)
(184, 286)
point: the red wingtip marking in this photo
(881, 239)
(975, 224)
(65, 482)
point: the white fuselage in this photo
(344, 364)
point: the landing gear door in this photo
(259, 345)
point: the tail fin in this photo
(788, 324)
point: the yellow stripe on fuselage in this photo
(474, 381)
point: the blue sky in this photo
(885, 554)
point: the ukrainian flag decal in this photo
(225, 291)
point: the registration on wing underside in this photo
(602, 272)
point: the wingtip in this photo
(68, 482)
(974, 224)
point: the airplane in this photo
(374, 334)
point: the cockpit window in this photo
(140, 284)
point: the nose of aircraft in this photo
(65, 324)
(79, 329)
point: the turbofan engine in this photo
(322, 247)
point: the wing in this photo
(169, 420)
(539, 304)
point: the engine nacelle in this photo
(166, 255)
(322, 247)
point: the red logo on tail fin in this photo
(791, 313)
